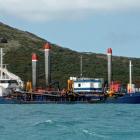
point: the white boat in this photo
(8, 80)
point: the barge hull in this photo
(51, 99)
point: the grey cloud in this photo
(41, 10)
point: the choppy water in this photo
(70, 122)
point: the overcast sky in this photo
(82, 25)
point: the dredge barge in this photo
(79, 90)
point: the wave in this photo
(46, 122)
(92, 133)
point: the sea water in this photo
(70, 122)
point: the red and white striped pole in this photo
(47, 49)
(109, 69)
(34, 70)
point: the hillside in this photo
(65, 62)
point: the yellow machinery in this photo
(111, 93)
(70, 85)
(29, 86)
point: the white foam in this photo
(48, 121)
(94, 134)
(43, 122)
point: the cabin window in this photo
(79, 85)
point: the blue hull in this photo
(133, 98)
(8, 101)
(126, 99)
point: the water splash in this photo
(45, 122)
(92, 133)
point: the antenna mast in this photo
(81, 66)
(1, 61)
(130, 75)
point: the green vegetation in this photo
(65, 62)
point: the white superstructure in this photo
(8, 80)
(88, 85)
